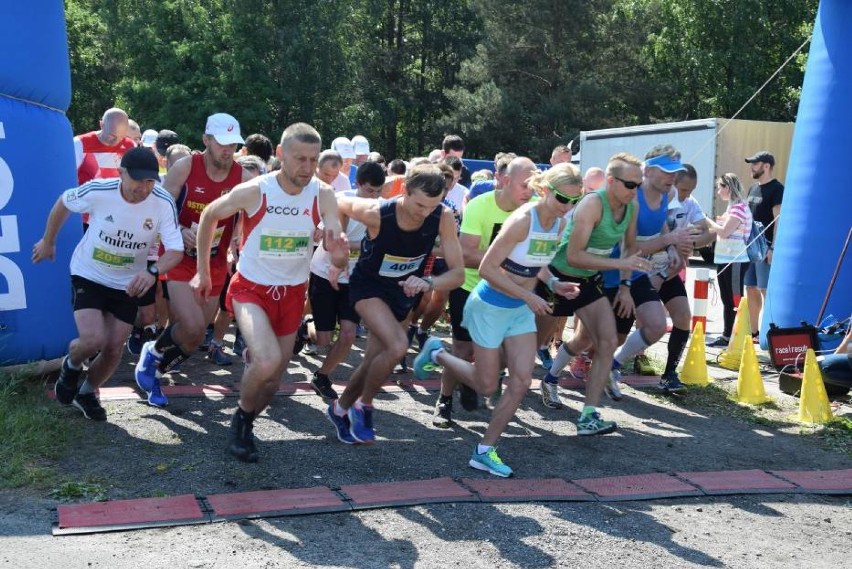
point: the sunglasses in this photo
(562, 198)
(629, 184)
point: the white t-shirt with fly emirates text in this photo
(115, 247)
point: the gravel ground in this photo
(144, 452)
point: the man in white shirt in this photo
(109, 268)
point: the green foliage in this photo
(520, 76)
(32, 432)
(75, 491)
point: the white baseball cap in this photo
(224, 128)
(344, 147)
(149, 138)
(361, 145)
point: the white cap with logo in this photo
(361, 145)
(224, 128)
(149, 137)
(343, 146)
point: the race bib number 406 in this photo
(396, 267)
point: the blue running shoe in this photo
(490, 462)
(671, 383)
(208, 337)
(135, 341)
(341, 425)
(156, 397)
(423, 362)
(146, 368)
(239, 344)
(217, 355)
(361, 424)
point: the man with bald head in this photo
(99, 152)
(594, 179)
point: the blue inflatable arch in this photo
(36, 164)
(816, 214)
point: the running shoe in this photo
(468, 397)
(443, 415)
(155, 396)
(66, 384)
(671, 383)
(302, 337)
(580, 366)
(322, 385)
(361, 424)
(90, 406)
(550, 395)
(720, 342)
(490, 462)
(146, 372)
(545, 358)
(592, 424)
(239, 344)
(241, 440)
(135, 341)
(643, 366)
(423, 362)
(208, 337)
(341, 425)
(216, 354)
(612, 390)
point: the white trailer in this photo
(714, 146)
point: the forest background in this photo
(505, 75)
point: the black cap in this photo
(141, 164)
(166, 138)
(762, 156)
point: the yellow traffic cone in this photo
(695, 367)
(813, 403)
(731, 357)
(749, 383)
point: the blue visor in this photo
(665, 163)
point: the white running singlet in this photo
(278, 238)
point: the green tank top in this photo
(602, 240)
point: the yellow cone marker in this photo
(695, 366)
(731, 357)
(750, 383)
(813, 403)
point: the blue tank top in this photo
(649, 224)
(395, 254)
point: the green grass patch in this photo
(32, 431)
(719, 399)
(836, 434)
(73, 491)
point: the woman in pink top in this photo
(732, 233)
